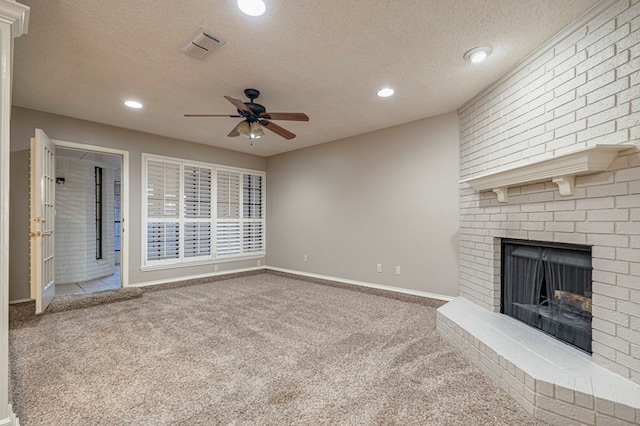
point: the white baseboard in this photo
(288, 271)
(195, 277)
(12, 420)
(365, 284)
(13, 302)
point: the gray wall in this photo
(19, 226)
(388, 197)
(23, 123)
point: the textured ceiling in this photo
(327, 58)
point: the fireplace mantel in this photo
(559, 169)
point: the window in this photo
(252, 205)
(163, 212)
(117, 210)
(98, 191)
(187, 201)
(240, 208)
(197, 211)
(228, 206)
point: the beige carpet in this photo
(259, 350)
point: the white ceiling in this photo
(327, 58)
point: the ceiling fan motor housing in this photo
(252, 93)
(257, 109)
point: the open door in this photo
(42, 221)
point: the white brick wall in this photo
(75, 252)
(582, 91)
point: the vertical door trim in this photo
(14, 21)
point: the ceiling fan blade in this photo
(239, 104)
(277, 129)
(234, 132)
(292, 116)
(210, 115)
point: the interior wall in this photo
(19, 286)
(388, 197)
(23, 123)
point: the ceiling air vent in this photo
(201, 44)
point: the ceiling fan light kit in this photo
(244, 129)
(256, 130)
(256, 118)
(251, 130)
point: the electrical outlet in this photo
(215, 268)
(305, 258)
(379, 267)
(397, 270)
(259, 262)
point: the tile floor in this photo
(105, 283)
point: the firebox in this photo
(548, 286)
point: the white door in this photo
(43, 183)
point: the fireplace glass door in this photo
(548, 286)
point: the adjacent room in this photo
(336, 212)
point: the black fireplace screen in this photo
(548, 286)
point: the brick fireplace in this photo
(579, 91)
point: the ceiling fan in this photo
(255, 117)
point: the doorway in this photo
(88, 221)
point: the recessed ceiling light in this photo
(477, 54)
(252, 7)
(133, 104)
(386, 92)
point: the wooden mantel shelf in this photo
(560, 169)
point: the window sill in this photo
(202, 263)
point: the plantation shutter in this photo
(197, 211)
(163, 214)
(253, 218)
(228, 240)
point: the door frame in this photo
(124, 199)
(14, 22)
